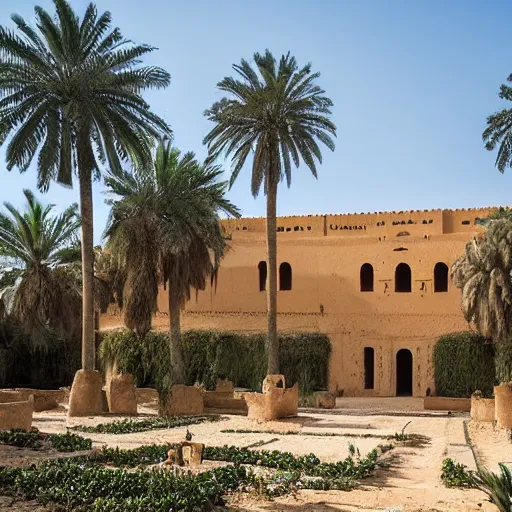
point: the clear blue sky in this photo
(412, 85)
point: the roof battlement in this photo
(388, 212)
(422, 223)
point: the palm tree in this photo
(499, 131)
(40, 292)
(164, 228)
(70, 91)
(277, 112)
(483, 274)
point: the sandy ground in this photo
(411, 483)
(491, 446)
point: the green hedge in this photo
(210, 355)
(463, 363)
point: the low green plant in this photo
(129, 426)
(497, 487)
(36, 440)
(89, 486)
(456, 475)
(402, 436)
(309, 465)
(84, 483)
(69, 442)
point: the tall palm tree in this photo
(42, 295)
(483, 274)
(499, 131)
(277, 113)
(70, 91)
(164, 228)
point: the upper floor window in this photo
(366, 278)
(285, 276)
(262, 271)
(441, 277)
(403, 278)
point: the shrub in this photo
(463, 363)
(210, 355)
(456, 475)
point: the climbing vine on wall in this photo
(210, 355)
(463, 363)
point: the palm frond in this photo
(164, 225)
(274, 111)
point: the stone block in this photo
(275, 402)
(441, 403)
(217, 400)
(185, 401)
(482, 409)
(325, 400)
(121, 397)
(273, 381)
(17, 415)
(85, 398)
(192, 453)
(44, 399)
(503, 404)
(224, 386)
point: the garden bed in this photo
(130, 480)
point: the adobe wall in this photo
(326, 259)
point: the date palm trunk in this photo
(273, 341)
(85, 398)
(177, 363)
(86, 213)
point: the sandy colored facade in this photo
(382, 338)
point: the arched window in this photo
(285, 276)
(262, 270)
(403, 278)
(366, 278)
(441, 277)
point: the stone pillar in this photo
(482, 409)
(121, 396)
(185, 400)
(85, 397)
(503, 404)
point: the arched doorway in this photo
(404, 372)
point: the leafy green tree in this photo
(483, 274)
(276, 113)
(164, 228)
(40, 291)
(70, 93)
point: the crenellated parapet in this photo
(416, 223)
